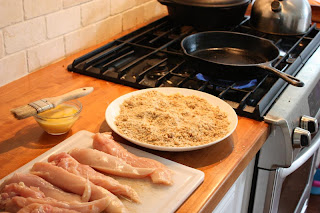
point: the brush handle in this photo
(70, 96)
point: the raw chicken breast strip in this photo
(44, 208)
(44, 186)
(108, 163)
(68, 163)
(16, 203)
(76, 184)
(19, 189)
(105, 143)
(16, 196)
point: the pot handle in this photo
(288, 78)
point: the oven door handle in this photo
(315, 143)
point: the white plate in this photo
(113, 111)
(155, 198)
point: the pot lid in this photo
(211, 3)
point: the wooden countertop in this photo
(23, 140)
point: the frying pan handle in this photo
(288, 78)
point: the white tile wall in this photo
(1, 45)
(70, 3)
(45, 53)
(133, 17)
(24, 34)
(138, 2)
(153, 7)
(80, 39)
(11, 12)
(63, 22)
(118, 6)
(109, 27)
(35, 33)
(13, 67)
(101, 11)
(34, 8)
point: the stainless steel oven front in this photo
(292, 185)
(287, 189)
(286, 163)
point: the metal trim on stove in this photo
(283, 142)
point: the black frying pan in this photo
(218, 52)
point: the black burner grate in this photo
(152, 57)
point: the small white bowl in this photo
(59, 120)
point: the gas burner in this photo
(193, 84)
(172, 81)
(157, 72)
(249, 84)
(202, 77)
(185, 70)
(222, 84)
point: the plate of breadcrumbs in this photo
(171, 119)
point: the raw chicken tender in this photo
(15, 197)
(19, 189)
(77, 184)
(108, 163)
(68, 163)
(44, 208)
(105, 143)
(16, 203)
(44, 186)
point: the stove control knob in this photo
(309, 123)
(301, 138)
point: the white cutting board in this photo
(154, 197)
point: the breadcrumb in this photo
(171, 120)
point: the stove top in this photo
(152, 57)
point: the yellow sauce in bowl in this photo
(59, 120)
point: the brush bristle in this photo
(23, 112)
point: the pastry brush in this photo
(48, 103)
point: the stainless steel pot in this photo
(284, 17)
(207, 14)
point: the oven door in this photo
(291, 187)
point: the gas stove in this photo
(152, 57)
